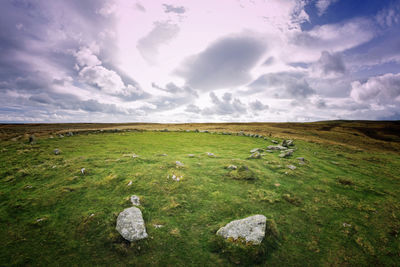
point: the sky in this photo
(199, 61)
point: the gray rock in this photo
(286, 153)
(56, 151)
(179, 164)
(191, 155)
(162, 155)
(135, 200)
(256, 150)
(130, 183)
(70, 134)
(241, 133)
(60, 135)
(134, 155)
(232, 167)
(277, 147)
(291, 167)
(252, 229)
(130, 224)
(274, 141)
(287, 143)
(301, 158)
(83, 171)
(210, 154)
(255, 155)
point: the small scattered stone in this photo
(163, 155)
(210, 154)
(274, 142)
(70, 134)
(286, 154)
(191, 155)
(277, 185)
(40, 219)
(61, 136)
(91, 215)
(28, 187)
(277, 147)
(291, 167)
(232, 167)
(135, 156)
(287, 143)
(255, 155)
(56, 151)
(158, 226)
(346, 225)
(135, 200)
(179, 164)
(256, 150)
(269, 151)
(130, 183)
(83, 171)
(252, 229)
(301, 158)
(130, 224)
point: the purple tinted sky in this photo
(199, 61)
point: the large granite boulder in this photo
(130, 224)
(250, 229)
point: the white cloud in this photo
(381, 90)
(322, 5)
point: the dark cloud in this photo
(174, 9)
(162, 33)
(330, 63)
(224, 63)
(282, 85)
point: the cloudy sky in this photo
(199, 61)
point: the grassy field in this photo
(342, 207)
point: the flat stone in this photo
(251, 229)
(210, 154)
(191, 155)
(256, 150)
(291, 167)
(179, 164)
(255, 155)
(83, 171)
(232, 167)
(286, 153)
(130, 224)
(277, 147)
(56, 151)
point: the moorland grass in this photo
(341, 207)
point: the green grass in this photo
(340, 208)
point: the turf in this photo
(341, 207)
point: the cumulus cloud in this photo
(258, 106)
(174, 96)
(174, 9)
(382, 90)
(193, 109)
(282, 85)
(224, 63)
(225, 106)
(330, 64)
(162, 33)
